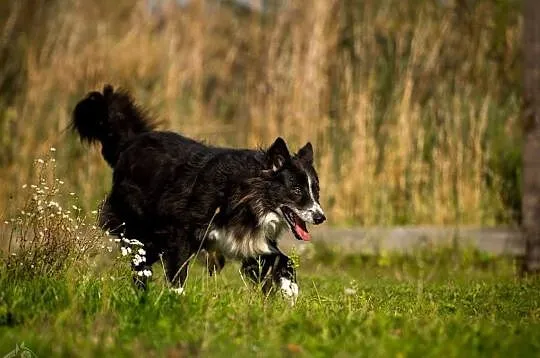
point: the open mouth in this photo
(297, 225)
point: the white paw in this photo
(179, 291)
(289, 289)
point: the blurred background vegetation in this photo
(412, 106)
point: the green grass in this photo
(439, 303)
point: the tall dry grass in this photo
(412, 106)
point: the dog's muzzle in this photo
(318, 218)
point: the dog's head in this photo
(294, 188)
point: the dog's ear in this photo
(277, 154)
(305, 153)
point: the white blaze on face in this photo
(307, 214)
(315, 207)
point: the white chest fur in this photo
(252, 242)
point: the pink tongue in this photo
(304, 235)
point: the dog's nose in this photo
(318, 218)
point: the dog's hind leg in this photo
(271, 271)
(215, 261)
(177, 258)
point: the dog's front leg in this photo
(273, 271)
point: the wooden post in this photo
(531, 136)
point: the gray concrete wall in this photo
(403, 239)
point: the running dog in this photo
(179, 196)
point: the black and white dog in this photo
(178, 196)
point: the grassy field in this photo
(443, 304)
(412, 107)
(66, 290)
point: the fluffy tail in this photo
(111, 117)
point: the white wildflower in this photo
(53, 149)
(137, 260)
(178, 290)
(349, 291)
